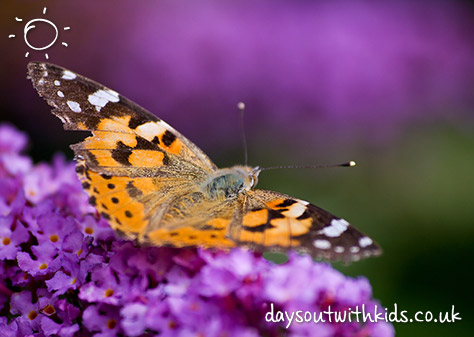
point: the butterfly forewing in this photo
(275, 221)
(117, 123)
(129, 147)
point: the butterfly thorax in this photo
(229, 182)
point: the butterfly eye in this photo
(253, 180)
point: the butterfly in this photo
(156, 187)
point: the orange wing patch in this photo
(276, 225)
(251, 237)
(171, 143)
(219, 223)
(276, 204)
(116, 124)
(255, 218)
(146, 158)
(212, 235)
(117, 199)
(108, 140)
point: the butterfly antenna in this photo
(241, 107)
(346, 164)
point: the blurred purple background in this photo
(308, 71)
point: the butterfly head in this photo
(249, 174)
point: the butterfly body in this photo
(155, 186)
(228, 183)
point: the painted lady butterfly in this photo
(155, 186)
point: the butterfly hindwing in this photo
(194, 220)
(117, 199)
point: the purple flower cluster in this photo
(64, 273)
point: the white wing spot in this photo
(355, 249)
(335, 229)
(68, 75)
(150, 130)
(339, 249)
(295, 210)
(322, 244)
(57, 83)
(74, 106)
(60, 93)
(365, 241)
(101, 97)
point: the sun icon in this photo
(31, 25)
